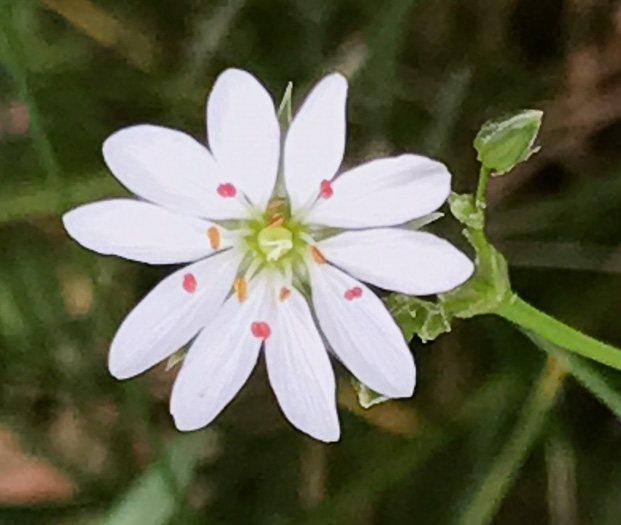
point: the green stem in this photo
(499, 478)
(481, 194)
(584, 372)
(523, 314)
(16, 65)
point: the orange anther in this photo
(276, 220)
(214, 237)
(284, 294)
(317, 255)
(240, 286)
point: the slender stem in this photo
(500, 476)
(15, 62)
(481, 194)
(523, 314)
(584, 372)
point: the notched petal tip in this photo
(462, 270)
(328, 435)
(403, 385)
(122, 138)
(184, 425)
(68, 220)
(76, 226)
(337, 79)
(117, 369)
(232, 72)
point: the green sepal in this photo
(427, 319)
(465, 210)
(284, 109)
(176, 358)
(367, 397)
(508, 141)
(487, 289)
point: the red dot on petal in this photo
(226, 190)
(353, 293)
(325, 189)
(261, 330)
(189, 283)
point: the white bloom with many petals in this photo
(252, 252)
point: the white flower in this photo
(252, 252)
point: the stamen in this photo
(226, 190)
(261, 330)
(189, 283)
(240, 288)
(252, 269)
(288, 274)
(285, 293)
(214, 237)
(318, 257)
(275, 221)
(353, 293)
(325, 189)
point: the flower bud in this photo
(504, 143)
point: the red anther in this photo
(226, 190)
(353, 293)
(189, 283)
(325, 189)
(261, 330)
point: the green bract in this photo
(504, 143)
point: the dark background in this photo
(76, 446)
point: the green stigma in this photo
(274, 242)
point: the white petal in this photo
(170, 168)
(244, 134)
(362, 333)
(172, 314)
(140, 231)
(315, 142)
(384, 192)
(219, 362)
(300, 372)
(410, 262)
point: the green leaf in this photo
(176, 358)
(154, 497)
(506, 142)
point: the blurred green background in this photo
(496, 432)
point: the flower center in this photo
(274, 242)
